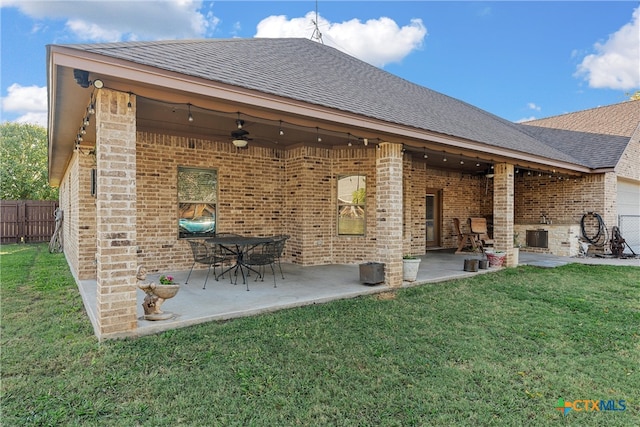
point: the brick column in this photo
(389, 210)
(115, 214)
(503, 210)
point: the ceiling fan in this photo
(240, 138)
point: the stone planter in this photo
(156, 295)
(410, 269)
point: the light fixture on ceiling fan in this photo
(240, 138)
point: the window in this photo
(351, 205)
(197, 202)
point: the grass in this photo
(495, 349)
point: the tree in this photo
(23, 163)
(634, 96)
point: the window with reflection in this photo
(197, 202)
(352, 192)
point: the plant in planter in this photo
(156, 294)
(410, 266)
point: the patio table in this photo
(239, 246)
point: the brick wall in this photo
(79, 219)
(562, 201)
(353, 249)
(261, 192)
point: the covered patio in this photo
(222, 300)
(149, 140)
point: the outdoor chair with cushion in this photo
(204, 254)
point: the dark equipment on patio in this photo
(204, 254)
(618, 243)
(599, 238)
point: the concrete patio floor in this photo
(222, 300)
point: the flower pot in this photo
(471, 265)
(166, 291)
(496, 259)
(410, 269)
(483, 264)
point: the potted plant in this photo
(496, 258)
(156, 295)
(410, 266)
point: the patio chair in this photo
(204, 254)
(479, 228)
(229, 256)
(464, 239)
(280, 241)
(260, 256)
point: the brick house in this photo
(273, 136)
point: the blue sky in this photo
(518, 60)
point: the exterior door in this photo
(433, 204)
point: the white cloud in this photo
(526, 119)
(28, 101)
(533, 106)
(124, 20)
(616, 63)
(376, 41)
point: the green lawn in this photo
(495, 349)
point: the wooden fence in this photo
(27, 221)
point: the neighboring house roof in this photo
(308, 71)
(616, 119)
(596, 151)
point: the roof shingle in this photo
(307, 71)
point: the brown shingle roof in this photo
(617, 119)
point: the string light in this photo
(240, 124)
(91, 109)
